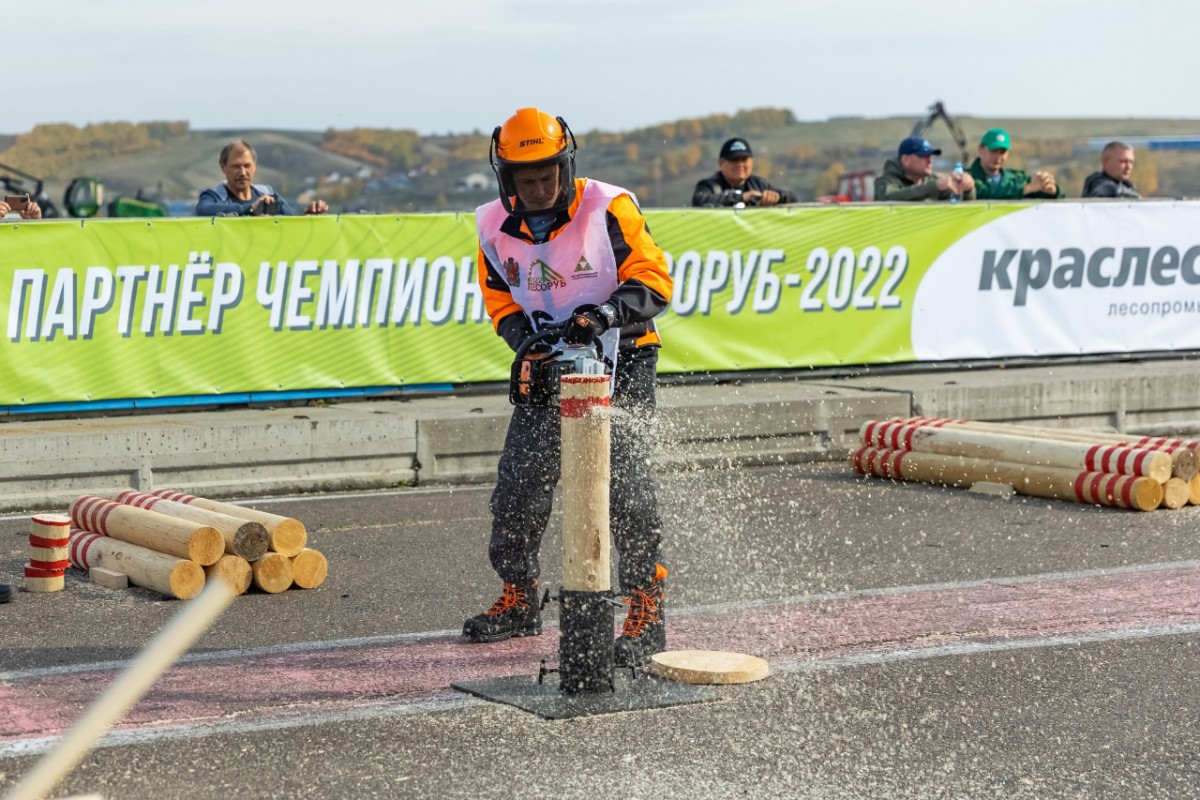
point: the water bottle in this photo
(956, 196)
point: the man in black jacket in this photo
(733, 185)
(1116, 167)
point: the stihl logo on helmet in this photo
(528, 142)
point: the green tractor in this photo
(83, 199)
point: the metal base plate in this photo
(544, 699)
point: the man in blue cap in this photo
(910, 176)
(994, 181)
(734, 185)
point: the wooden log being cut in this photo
(1096, 488)
(177, 537)
(992, 445)
(586, 438)
(243, 537)
(150, 569)
(287, 536)
(309, 568)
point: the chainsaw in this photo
(542, 360)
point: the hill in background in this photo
(391, 170)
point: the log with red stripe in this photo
(1098, 488)
(49, 530)
(178, 537)
(287, 536)
(1001, 445)
(150, 569)
(1185, 453)
(243, 537)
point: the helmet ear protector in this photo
(564, 159)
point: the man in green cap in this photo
(994, 182)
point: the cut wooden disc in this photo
(707, 666)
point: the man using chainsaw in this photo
(560, 252)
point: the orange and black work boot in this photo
(645, 631)
(517, 613)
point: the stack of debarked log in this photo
(172, 542)
(1107, 469)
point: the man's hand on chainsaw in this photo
(585, 326)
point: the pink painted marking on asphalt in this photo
(267, 686)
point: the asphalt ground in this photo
(926, 643)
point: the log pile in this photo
(172, 543)
(1140, 473)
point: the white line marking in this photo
(122, 738)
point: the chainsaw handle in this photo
(546, 335)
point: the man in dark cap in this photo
(734, 185)
(910, 176)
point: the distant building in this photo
(475, 182)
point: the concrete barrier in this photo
(386, 443)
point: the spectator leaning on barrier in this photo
(734, 185)
(557, 250)
(1116, 167)
(26, 208)
(910, 176)
(994, 181)
(239, 196)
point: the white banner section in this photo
(1065, 278)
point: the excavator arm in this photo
(938, 111)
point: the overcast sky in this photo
(458, 66)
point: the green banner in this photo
(110, 309)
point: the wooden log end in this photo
(186, 580)
(309, 569)
(1147, 494)
(1186, 465)
(1176, 493)
(1159, 467)
(273, 573)
(234, 570)
(250, 541)
(288, 537)
(206, 546)
(1194, 491)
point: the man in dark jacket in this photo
(994, 181)
(239, 196)
(910, 176)
(733, 185)
(1116, 163)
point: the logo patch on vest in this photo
(543, 278)
(512, 271)
(583, 269)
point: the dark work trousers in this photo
(531, 463)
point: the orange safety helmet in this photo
(533, 138)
